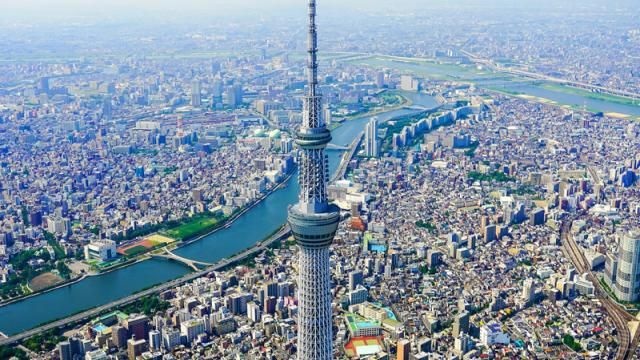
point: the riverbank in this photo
(83, 315)
(544, 91)
(147, 255)
(43, 291)
(567, 89)
(245, 233)
(377, 111)
(545, 101)
(77, 280)
(235, 217)
(222, 224)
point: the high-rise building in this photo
(358, 296)
(107, 109)
(96, 355)
(371, 138)
(424, 345)
(196, 94)
(462, 344)
(313, 220)
(326, 113)
(215, 67)
(286, 145)
(626, 281)
(264, 107)
(408, 83)
(253, 312)
(119, 336)
(43, 85)
(528, 291)
(64, 351)
(170, 338)
(489, 233)
(461, 324)
(155, 340)
(136, 347)
(217, 88)
(355, 279)
(234, 96)
(192, 328)
(380, 80)
(137, 326)
(404, 349)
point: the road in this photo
(619, 316)
(594, 176)
(86, 315)
(346, 158)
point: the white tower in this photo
(371, 138)
(313, 220)
(627, 280)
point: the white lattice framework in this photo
(313, 176)
(315, 336)
(313, 220)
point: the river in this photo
(566, 98)
(498, 80)
(253, 226)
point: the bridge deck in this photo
(261, 246)
(344, 163)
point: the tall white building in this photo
(170, 338)
(253, 312)
(627, 278)
(326, 113)
(408, 83)
(196, 94)
(371, 138)
(155, 340)
(528, 291)
(192, 328)
(313, 220)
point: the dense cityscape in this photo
(262, 187)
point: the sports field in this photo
(198, 225)
(145, 245)
(44, 281)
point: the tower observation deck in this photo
(313, 220)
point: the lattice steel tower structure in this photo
(313, 220)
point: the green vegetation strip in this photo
(496, 176)
(148, 305)
(591, 95)
(196, 226)
(572, 343)
(7, 352)
(426, 225)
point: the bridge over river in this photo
(89, 314)
(190, 263)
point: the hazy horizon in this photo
(97, 10)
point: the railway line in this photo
(620, 316)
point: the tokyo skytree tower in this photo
(313, 220)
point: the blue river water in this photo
(253, 226)
(567, 98)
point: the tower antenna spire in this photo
(312, 42)
(313, 220)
